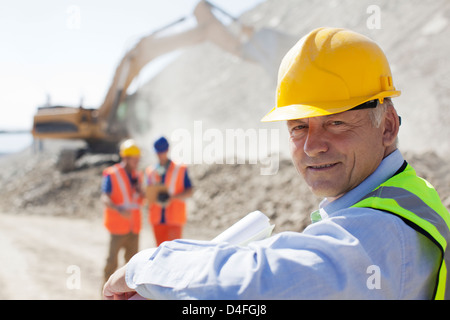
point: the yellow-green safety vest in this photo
(416, 201)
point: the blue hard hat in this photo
(161, 145)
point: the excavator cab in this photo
(61, 122)
(77, 123)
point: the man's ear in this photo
(391, 126)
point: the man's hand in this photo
(116, 288)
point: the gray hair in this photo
(376, 114)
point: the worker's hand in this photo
(116, 288)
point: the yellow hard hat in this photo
(129, 148)
(328, 71)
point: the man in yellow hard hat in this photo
(381, 232)
(122, 197)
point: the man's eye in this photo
(297, 130)
(337, 123)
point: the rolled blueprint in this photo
(254, 226)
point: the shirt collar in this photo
(162, 169)
(385, 170)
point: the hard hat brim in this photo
(130, 155)
(318, 109)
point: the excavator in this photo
(101, 128)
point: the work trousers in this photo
(129, 242)
(167, 232)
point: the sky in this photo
(67, 50)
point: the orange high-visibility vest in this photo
(124, 195)
(175, 211)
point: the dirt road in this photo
(47, 257)
(53, 257)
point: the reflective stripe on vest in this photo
(413, 199)
(128, 203)
(152, 176)
(173, 179)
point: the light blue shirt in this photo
(351, 253)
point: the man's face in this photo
(335, 153)
(162, 157)
(131, 163)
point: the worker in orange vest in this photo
(122, 197)
(168, 215)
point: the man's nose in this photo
(315, 142)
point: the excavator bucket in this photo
(267, 47)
